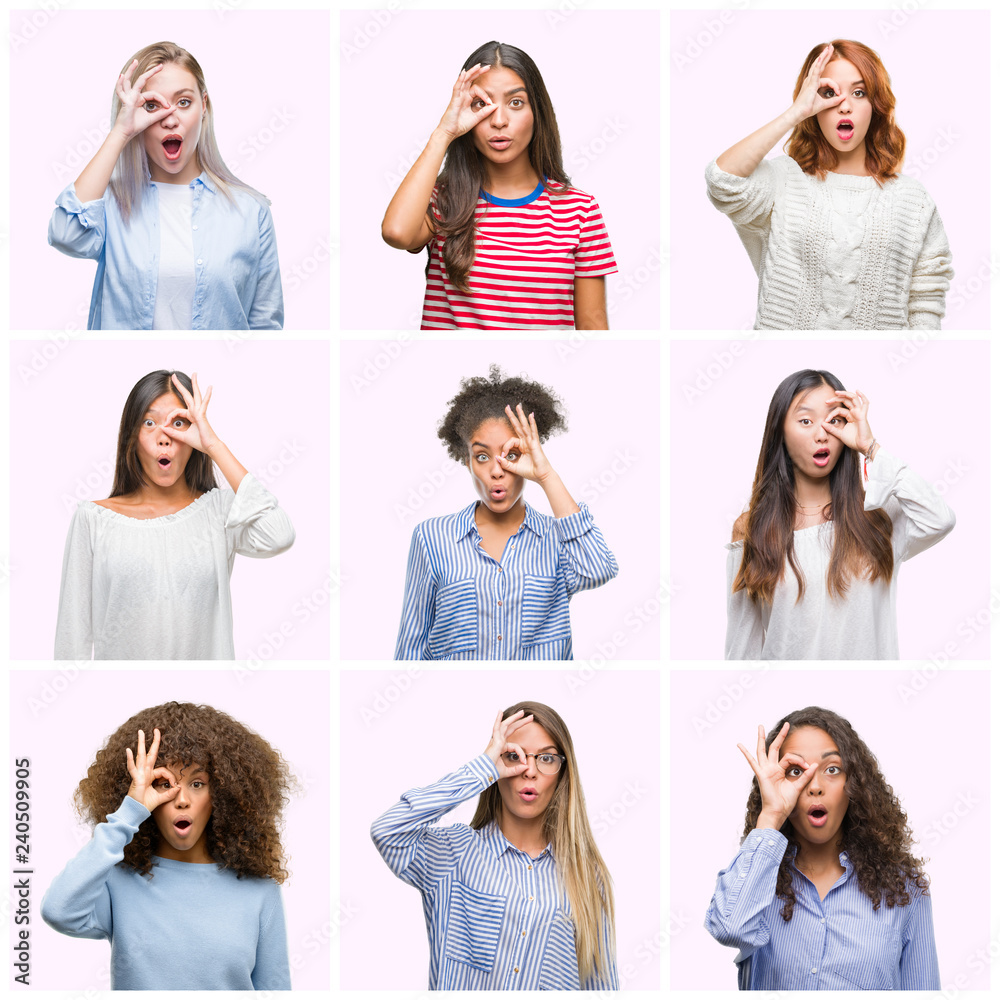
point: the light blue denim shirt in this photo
(237, 277)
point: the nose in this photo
(499, 117)
(181, 798)
(815, 787)
(532, 765)
(498, 470)
(845, 103)
(162, 437)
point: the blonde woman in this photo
(520, 899)
(181, 243)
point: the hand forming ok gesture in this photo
(778, 792)
(195, 411)
(500, 744)
(817, 92)
(531, 462)
(462, 115)
(145, 773)
(849, 421)
(133, 117)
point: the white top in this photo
(175, 283)
(158, 589)
(837, 254)
(860, 626)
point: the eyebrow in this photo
(185, 90)
(507, 93)
(479, 444)
(544, 749)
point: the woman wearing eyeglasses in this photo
(520, 899)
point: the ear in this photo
(204, 105)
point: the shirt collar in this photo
(207, 182)
(845, 861)
(533, 521)
(498, 843)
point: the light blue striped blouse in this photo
(835, 943)
(461, 604)
(497, 919)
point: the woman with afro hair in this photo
(824, 893)
(838, 238)
(185, 859)
(493, 581)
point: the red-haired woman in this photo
(813, 562)
(839, 240)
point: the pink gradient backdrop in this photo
(266, 124)
(608, 123)
(391, 726)
(743, 72)
(906, 720)
(277, 427)
(938, 589)
(389, 430)
(61, 719)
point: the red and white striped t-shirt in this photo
(528, 252)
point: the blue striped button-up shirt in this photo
(461, 604)
(237, 279)
(835, 943)
(497, 919)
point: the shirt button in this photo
(813, 971)
(529, 867)
(516, 969)
(499, 569)
(499, 603)
(499, 638)
(531, 899)
(822, 920)
(523, 933)
(194, 227)
(198, 261)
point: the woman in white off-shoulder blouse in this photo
(813, 563)
(146, 572)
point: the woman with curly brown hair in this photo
(824, 893)
(520, 899)
(184, 851)
(493, 582)
(839, 240)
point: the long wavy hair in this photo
(130, 180)
(862, 539)
(248, 778)
(584, 874)
(885, 143)
(875, 833)
(464, 174)
(129, 477)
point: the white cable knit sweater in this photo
(840, 253)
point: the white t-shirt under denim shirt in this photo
(175, 280)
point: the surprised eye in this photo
(151, 106)
(512, 456)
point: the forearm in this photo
(228, 465)
(96, 175)
(560, 498)
(406, 217)
(745, 157)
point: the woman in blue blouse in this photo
(824, 893)
(180, 242)
(521, 898)
(494, 581)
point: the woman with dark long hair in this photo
(181, 243)
(521, 898)
(824, 893)
(838, 238)
(813, 562)
(494, 581)
(510, 243)
(181, 876)
(146, 571)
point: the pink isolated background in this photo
(60, 720)
(266, 123)
(270, 405)
(406, 729)
(726, 395)
(393, 398)
(907, 720)
(397, 73)
(733, 71)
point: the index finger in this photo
(778, 740)
(185, 395)
(154, 747)
(145, 76)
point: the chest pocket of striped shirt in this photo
(559, 970)
(865, 956)
(544, 611)
(456, 619)
(474, 922)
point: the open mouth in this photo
(821, 457)
(182, 826)
(172, 147)
(498, 493)
(817, 815)
(845, 129)
(164, 463)
(528, 794)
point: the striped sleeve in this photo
(918, 965)
(594, 257)
(744, 891)
(418, 602)
(403, 834)
(585, 560)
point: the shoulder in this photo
(740, 527)
(567, 199)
